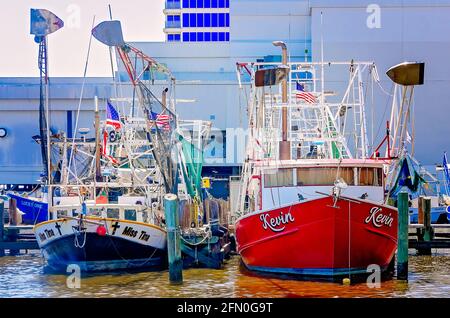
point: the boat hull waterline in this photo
(319, 238)
(99, 244)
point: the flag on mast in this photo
(162, 121)
(446, 174)
(306, 96)
(106, 151)
(44, 22)
(114, 124)
(112, 116)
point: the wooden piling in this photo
(426, 233)
(420, 210)
(13, 220)
(2, 226)
(173, 239)
(402, 247)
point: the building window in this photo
(200, 19)
(207, 20)
(185, 3)
(200, 37)
(185, 19)
(207, 3)
(227, 22)
(214, 20)
(193, 3)
(173, 21)
(221, 3)
(199, 3)
(221, 19)
(227, 3)
(172, 4)
(192, 20)
(213, 3)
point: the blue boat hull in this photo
(102, 253)
(438, 215)
(35, 211)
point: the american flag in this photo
(112, 116)
(306, 96)
(446, 174)
(106, 150)
(161, 120)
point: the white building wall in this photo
(409, 31)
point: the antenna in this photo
(321, 57)
(322, 80)
(110, 11)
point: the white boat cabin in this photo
(286, 182)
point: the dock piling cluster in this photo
(403, 238)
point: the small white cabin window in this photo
(279, 178)
(113, 213)
(370, 176)
(130, 214)
(323, 176)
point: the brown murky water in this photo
(23, 276)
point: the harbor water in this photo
(25, 276)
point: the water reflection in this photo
(24, 276)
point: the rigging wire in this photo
(81, 98)
(384, 113)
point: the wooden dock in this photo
(439, 237)
(422, 237)
(14, 238)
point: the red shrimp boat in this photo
(312, 199)
(323, 236)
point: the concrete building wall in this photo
(408, 31)
(206, 78)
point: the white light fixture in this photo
(3, 132)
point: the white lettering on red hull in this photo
(379, 219)
(277, 223)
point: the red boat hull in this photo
(317, 238)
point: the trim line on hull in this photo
(100, 253)
(268, 238)
(96, 266)
(374, 231)
(323, 272)
(101, 219)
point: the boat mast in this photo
(405, 75)
(42, 23)
(285, 146)
(43, 108)
(98, 176)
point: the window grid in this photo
(194, 4)
(174, 37)
(206, 36)
(214, 20)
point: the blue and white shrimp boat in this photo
(101, 237)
